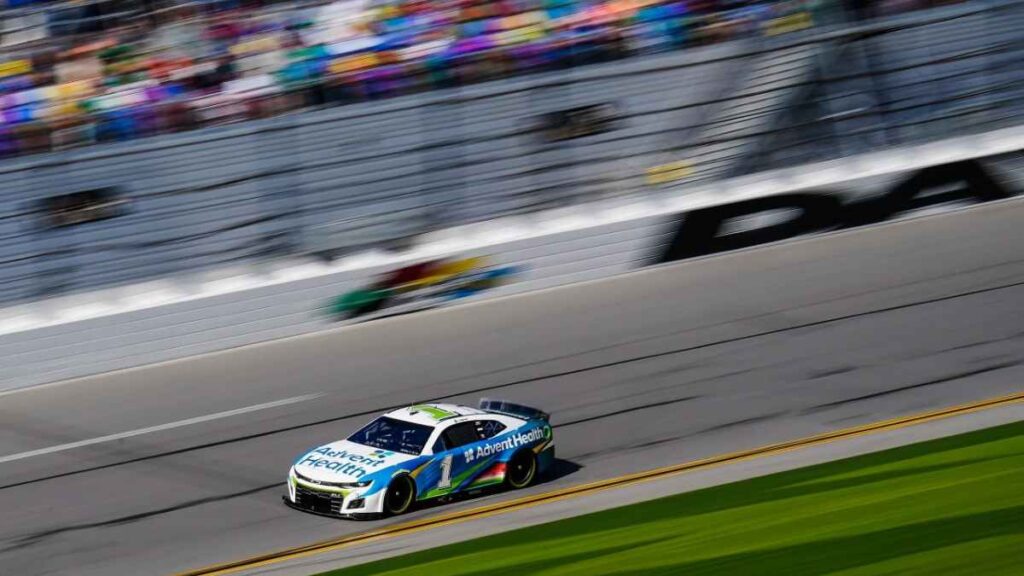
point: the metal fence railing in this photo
(905, 81)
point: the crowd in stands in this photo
(110, 70)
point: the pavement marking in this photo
(503, 507)
(158, 428)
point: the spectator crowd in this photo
(75, 73)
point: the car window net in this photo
(490, 428)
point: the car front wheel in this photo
(400, 496)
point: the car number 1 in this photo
(446, 473)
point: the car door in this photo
(452, 445)
(460, 461)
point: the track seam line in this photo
(650, 268)
(599, 486)
(521, 381)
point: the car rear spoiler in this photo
(512, 409)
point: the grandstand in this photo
(113, 70)
(216, 156)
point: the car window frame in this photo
(468, 423)
(438, 441)
(350, 437)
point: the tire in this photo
(369, 307)
(400, 495)
(521, 470)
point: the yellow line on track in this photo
(460, 516)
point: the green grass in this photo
(949, 506)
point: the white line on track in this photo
(158, 428)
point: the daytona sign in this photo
(747, 223)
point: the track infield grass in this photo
(948, 506)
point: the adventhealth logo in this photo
(343, 461)
(510, 443)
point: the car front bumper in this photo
(329, 514)
(348, 503)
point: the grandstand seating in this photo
(123, 73)
(376, 172)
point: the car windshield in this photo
(394, 435)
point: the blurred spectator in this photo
(113, 70)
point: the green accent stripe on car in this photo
(488, 482)
(461, 478)
(433, 411)
(457, 481)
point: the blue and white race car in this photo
(420, 453)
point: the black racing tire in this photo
(370, 307)
(400, 495)
(521, 470)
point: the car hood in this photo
(345, 461)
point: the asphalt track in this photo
(505, 515)
(181, 465)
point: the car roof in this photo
(432, 414)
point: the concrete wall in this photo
(599, 241)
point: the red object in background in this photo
(406, 275)
(223, 31)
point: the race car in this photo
(421, 286)
(420, 453)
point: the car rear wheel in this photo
(521, 470)
(400, 495)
